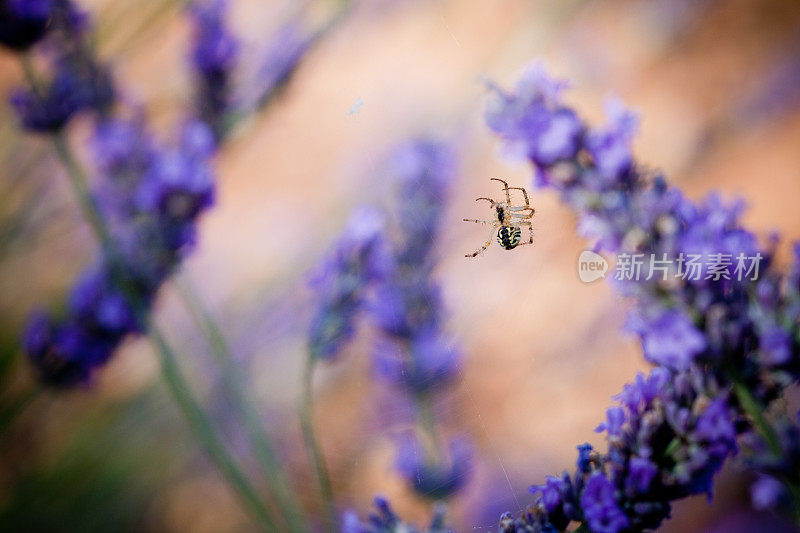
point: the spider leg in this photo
(478, 221)
(505, 188)
(524, 193)
(488, 200)
(518, 212)
(530, 231)
(486, 244)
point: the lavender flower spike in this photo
(359, 258)
(728, 343)
(166, 189)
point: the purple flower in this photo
(214, 54)
(422, 172)
(54, 366)
(670, 340)
(600, 509)
(77, 83)
(715, 428)
(428, 362)
(152, 197)
(585, 454)
(711, 330)
(356, 261)
(532, 122)
(50, 109)
(215, 49)
(24, 22)
(644, 389)
(611, 146)
(431, 478)
(615, 417)
(407, 307)
(641, 473)
(776, 346)
(766, 492)
(387, 521)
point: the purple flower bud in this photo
(357, 260)
(615, 417)
(436, 480)
(766, 492)
(600, 509)
(776, 346)
(641, 472)
(611, 146)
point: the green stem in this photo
(427, 422)
(755, 411)
(313, 448)
(10, 413)
(232, 382)
(204, 431)
(180, 390)
(82, 193)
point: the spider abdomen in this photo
(509, 236)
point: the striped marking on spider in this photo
(508, 221)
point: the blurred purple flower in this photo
(214, 57)
(49, 108)
(533, 122)
(670, 339)
(599, 506)
(386, 521)
(356, 261)
(24, 22)
(428, 361)
(434, 479)
(766, 492)
(162, 191)
(414, 352)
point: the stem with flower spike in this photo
(178, 386)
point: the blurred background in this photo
(717, 85)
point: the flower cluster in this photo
(666, 440)
(413, 352)
(386, 521)
(216, 56)
(154, 222)
(147, 202)
(711, 336)
(359, 258)
(78, 80)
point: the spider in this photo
(508, 221)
